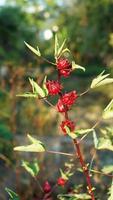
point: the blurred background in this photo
(88, 27)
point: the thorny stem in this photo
(79, 154)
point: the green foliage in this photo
(78, 133)
(15, 29)
(111, 192)
(37, 52)
(36, 88)
(13, 195)
(105, 141)
(36, 146)
(31, 167)
(83, 196)
(75, 66)
(101, 80)
(108, 111)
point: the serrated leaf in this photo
(13, 195)
(37, 52)
(31, 167)
(75, 66)
(108, 111)
(36, 146)
(101, 80)
(36, 88)
(27, 95)
(107, 169)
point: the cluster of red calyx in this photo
(70, 124)
(46, 187)
(66, 101)
(61, 181)
(64, 67)
(53, 87)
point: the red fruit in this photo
(65, 72)
(54, 87)
(69, 124)
(61, 107)
(61, 181)
(63, 63)
(64, 67)
(69, 98)
(47, 187)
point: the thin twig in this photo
(101, 173)
(60, 153)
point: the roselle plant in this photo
(64, 68)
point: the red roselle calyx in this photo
(47, 187)
(53, 87)
(61, 181)
(64, 67)
(65, 102)
(70, 124)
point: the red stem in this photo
(79, 154)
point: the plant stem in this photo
(79, 154)
(85, 168)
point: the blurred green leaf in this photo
(63, 175)
(107, 169)
(36, 88)
(27, 95)
(83, 196)
(13, 195)
(31, 167)
(108, 111)
(95, 139)
(36, 146)
(37, 52)
(56, 46)
(44, 86)
(101, 80)
(104, 143)
(75, 66)
(111, 191)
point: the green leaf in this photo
(95, 139)
(37, 52)
(83, 196)
(78, 132)
(56, 46)
(36, 146)
(27, 95)
(44, 85)
(75, 66)
(36, 88)
(111, 191)
(108, 111)
(63, 175)
(13, 195)
(61, 48)
(104, 143)
(101, 80)
(107, 169)
(31, 167)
